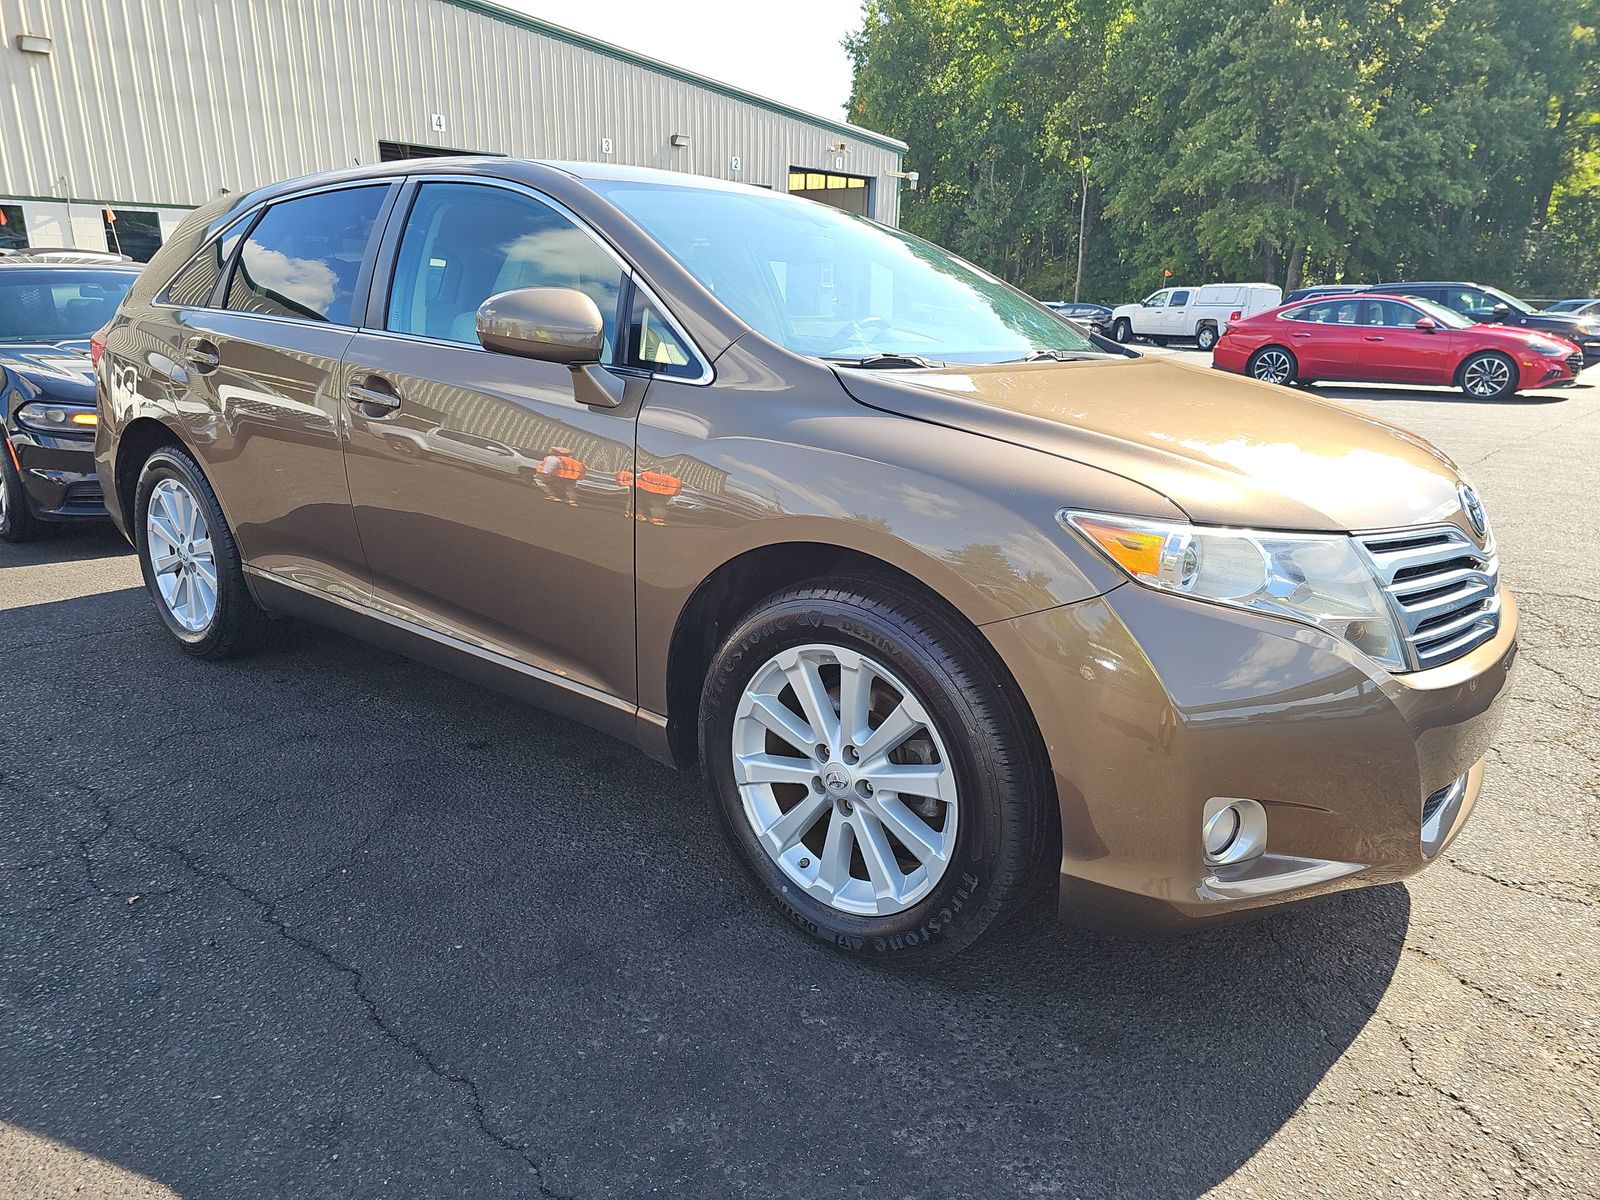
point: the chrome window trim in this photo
(629, 273)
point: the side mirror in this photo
(1501, 311)
(559, 325)
(1427, 324)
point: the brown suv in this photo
(936, 590)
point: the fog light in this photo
(1232, 830)
(1221, 828)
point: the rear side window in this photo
(1179, 298)
(304, 255)
(466, 242)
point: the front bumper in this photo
(1150, 705)
(58, 475)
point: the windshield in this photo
(1506, 298)
(1448, 317)
(822, 282)
(58, 305)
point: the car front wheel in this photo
(190, 562)
(876, 775)
(1488, 376)
(1121, 330)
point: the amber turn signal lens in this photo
(1135, 551)
(89, 419)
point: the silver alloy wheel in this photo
(1486, 375)
(1273, 366)
(5, 500)
(1206, 338)
(179, 544)
(845, 780)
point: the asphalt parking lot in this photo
(328, 923)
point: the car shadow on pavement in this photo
(328, 922)
(1377, 392)
(66, 543)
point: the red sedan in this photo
(1376, 338)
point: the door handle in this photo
(374, 393)
(201, 356)
(1377, 337)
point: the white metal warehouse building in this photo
(123, 114)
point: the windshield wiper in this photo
(1055, 356)
(887, 360)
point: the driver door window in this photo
(466, 242)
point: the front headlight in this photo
(1553, 349)
(43, 417)
(1318, 579)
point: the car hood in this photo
(1226, 450)
(50, 370)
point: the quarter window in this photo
(654, 346)
(192, 287)
(304, 255)
(466, 242)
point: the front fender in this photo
(779, 454)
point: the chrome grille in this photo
(1443, 588)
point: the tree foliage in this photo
(1287, 140)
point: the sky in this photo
(787, 50)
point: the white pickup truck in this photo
(1192, 314)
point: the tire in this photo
(1487, 375)
(1273, 364)
(234, 624)
(17, 522)
(971, 733)
(1159, 341)
(1206, 337)
(1121, 331)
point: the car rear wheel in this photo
(1121, 330)
(1488, 376)
(17, 522)
(1206, 338)
(1156, 339)
(878, 778)
(190, 562)
(1273, 364)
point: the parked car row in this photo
(755, 420)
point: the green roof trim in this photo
(583, 41)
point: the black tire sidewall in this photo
(171, 463)
(961, 905)
(20, 523)
(1206, 338)
(1122, 331)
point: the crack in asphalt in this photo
(267, 909)
(1460, 1105)
(1532, 889)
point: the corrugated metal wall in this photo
(149, 103)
